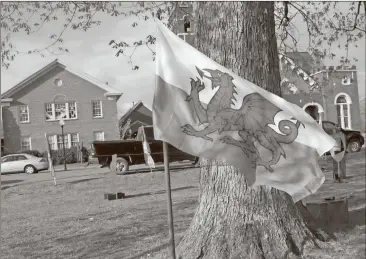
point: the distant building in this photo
(140, 115)
(326, 93)
(33, 107)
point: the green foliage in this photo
(58, 155)
(30, 17)
(71, 155)
(327, 24)
(35, 153)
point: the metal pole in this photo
(63, 145)
(169, 196)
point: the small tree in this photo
(125, 130)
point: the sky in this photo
(90, 52)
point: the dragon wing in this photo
(257, 112)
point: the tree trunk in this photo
(233, 220)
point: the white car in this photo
(26, 163)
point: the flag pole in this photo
(169, 196)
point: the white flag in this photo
(206, 110)
(146, 147)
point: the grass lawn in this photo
(72, 220)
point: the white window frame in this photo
(29, 141)
(67, 108)
(96, 132)
(67, 138)
(77, 136)
(101, 108)
(53, 143)
(184, 34)
(20, 113)
(342, 108)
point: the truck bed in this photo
(133, 152)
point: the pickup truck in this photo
(130, 152)
(354, 138)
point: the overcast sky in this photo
(90, 52)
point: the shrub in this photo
(70, 154)
(58, 155)
(35, 153)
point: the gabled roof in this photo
(110, 91)
(130, 111)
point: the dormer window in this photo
(187, 24)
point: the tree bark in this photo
(233, 220)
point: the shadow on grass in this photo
(9, 182)
(158, 192)
(152, 250)
(357, 218)
(85, 180)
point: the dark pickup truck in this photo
(354, 138)
(130, 152)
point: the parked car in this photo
(29, 164)
(130, 151)
(354, 138)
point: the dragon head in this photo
(219, 78)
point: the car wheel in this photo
(121, 166)
(29, 169)
(354, 145)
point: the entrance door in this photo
(313, 111)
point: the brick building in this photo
(33, 107)
(139, 115)
(326, 93)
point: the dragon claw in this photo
(189, 130)
(196, 85)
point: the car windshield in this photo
(330, 128)
(6, 159)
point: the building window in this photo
(26, 143)
(60, 143)
(54, 110)
(52, 141)
(56, 143)
(60, 108)
(71, 110)
(97, 109)
(99, 135)
(186, 23)
(343, 104)
(23, 113)
(74, 139)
